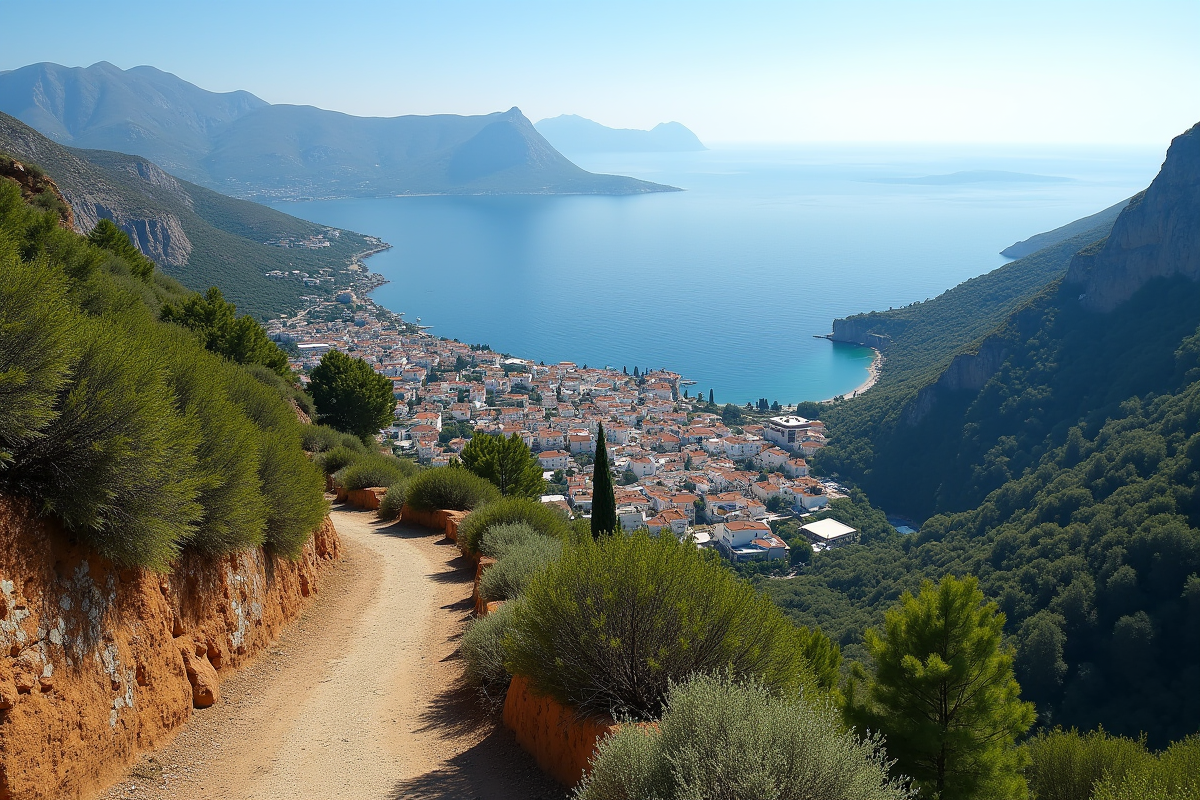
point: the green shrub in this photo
(320, 439)
(452, 488)
(508, 577)
(295, 492)
(369, 471)
(610, 625)
(229, 463)
(262, 404)
(337, 459)
(123, 427)
(36, 348)
(482, 649)
(1066, 765)
(543, 518)
(721, 738)
(1174, 775)
(393, 501)
(499, 538)
(117, 464)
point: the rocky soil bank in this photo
(98, 663)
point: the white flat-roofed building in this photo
(830, 533)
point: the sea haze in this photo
(729, 281)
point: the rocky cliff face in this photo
(857, 330)
(968, 372)
(97, 663)
(1157, 235)
(157, 233)
(160, 237)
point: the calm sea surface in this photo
(728, 281)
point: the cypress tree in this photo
(604, 500)
(710, 396)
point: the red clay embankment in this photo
(97, 663)
(562, 741)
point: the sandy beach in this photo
(872, 377)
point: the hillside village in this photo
(678, 464)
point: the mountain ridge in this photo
(238, 144)
(576, 134)
(196, 235)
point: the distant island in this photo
(239, 144)
(574, 134)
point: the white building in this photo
(829, 533)
(554, 459)
(631, 518)
(749, 540)
(789, 431)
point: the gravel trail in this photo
(361, 698)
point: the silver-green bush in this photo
(393, 501)
(610, 625)
(499, 538)
(721, 738)
(482, 649)
(506, 578)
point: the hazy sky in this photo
(968, 71)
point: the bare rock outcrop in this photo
(97, 663)
(857, 330)
(968, 372)
(33, 183)
(1156, 236)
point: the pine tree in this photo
(944, 696)
(604, 500)
(507, 463)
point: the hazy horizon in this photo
(761, 73)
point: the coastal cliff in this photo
(1156, 236)
(968, 372)
(98, 663)
(857, 330)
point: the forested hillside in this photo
(196, 235)
(1065, 477)
(921, 341)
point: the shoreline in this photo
(873, 372)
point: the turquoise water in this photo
(728, 281)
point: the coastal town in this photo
(681, 462)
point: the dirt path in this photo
(361, 698)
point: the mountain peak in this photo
(1154, 236)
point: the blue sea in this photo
(729, 281)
